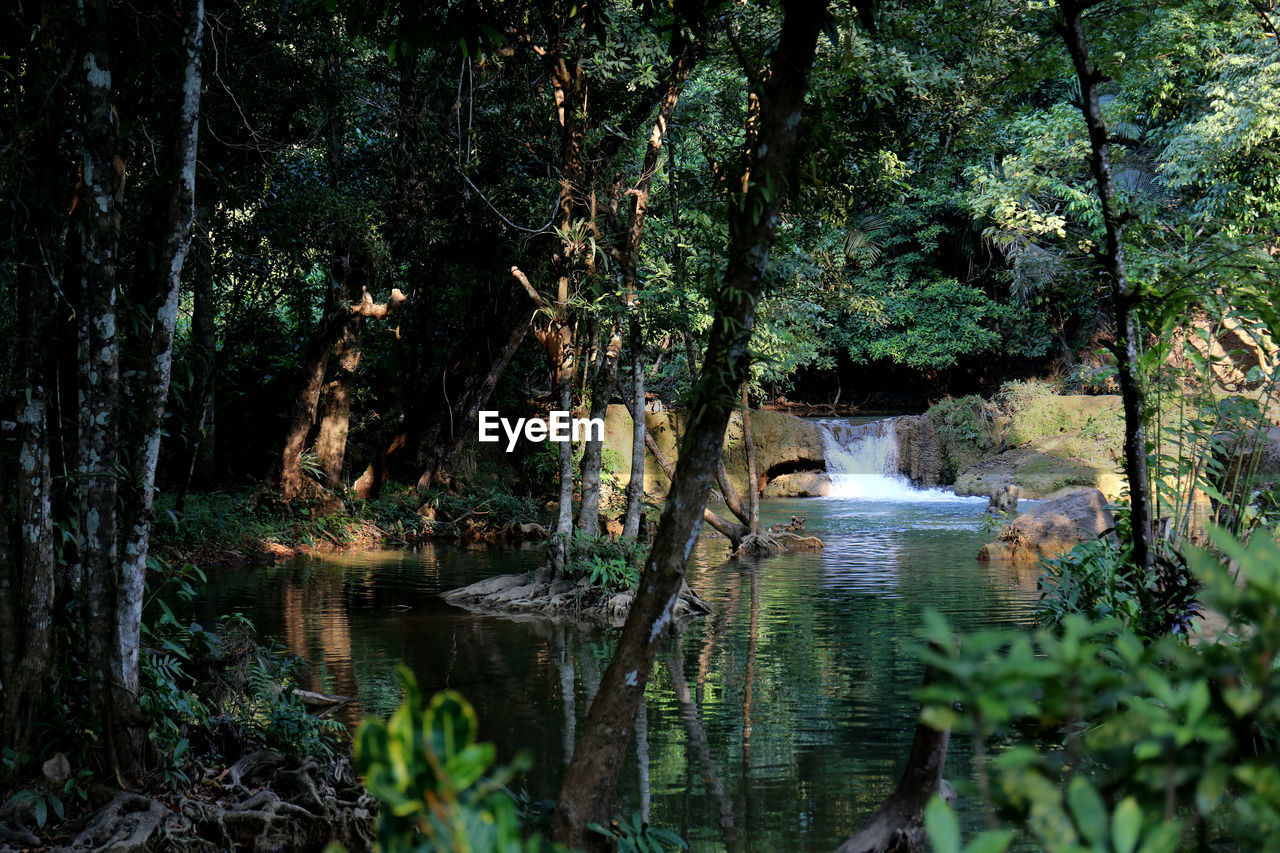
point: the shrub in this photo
(1117, 743)
(438, 787)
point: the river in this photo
(774, 725)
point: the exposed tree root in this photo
(265, 801)
(535, 595)
(770, 543)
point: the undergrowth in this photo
(247, 521)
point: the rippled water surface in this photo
(774, 725)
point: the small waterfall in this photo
(862, 462)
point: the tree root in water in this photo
(768, 544)
(534, 595)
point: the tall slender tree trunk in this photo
(606, 376)
(1124, 297)
(152, 383)
(635, 485)
(27, 572)
(99, 381)
(683, 64)
(201, 423)
(590, 782)
(753, 478)
(558, 548)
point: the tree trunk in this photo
(200, 415)
(99, 384)
(606, 376)
(335, 405)
(681, 67)
(562, 536)
(590, 782)
(639, 435)
(151, 387)
(349, 303)
(27, 572)
(753, 478)
(289, 477)
(1124, 298)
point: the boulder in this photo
(1038, 474)
(802, 484)
(1004, 500)
(1053, 528)
(920, 453)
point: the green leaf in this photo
(1163, 838)
(991, 841)
(1088, 809)
(943, 827)
(1126, 826)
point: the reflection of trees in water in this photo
(316, 629)
(789, 727)
(691, 718)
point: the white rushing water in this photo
(862, 462)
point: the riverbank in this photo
(222, 529)
(1044, 442)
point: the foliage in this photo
(437, 785)
(1095, 580)
(1113, 743)
(636, 836)
(199, 681)
(611, 564)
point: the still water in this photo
(776, 724)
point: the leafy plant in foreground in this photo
(1117, 744)
(636, 836)
(437, 785)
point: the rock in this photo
(1038, 474)
(533, 531)
(784, 444)
(1038, 440)
(55, 772)
(491, 586)
(1053, 528)
(802, 484)
(920, 453)
(1004, 499)
(518, 593)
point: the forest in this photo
(935, 503)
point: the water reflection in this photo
(775, 724)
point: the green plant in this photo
(1092, 579)
(636, 836)
(996, 523)
(1114, 743)
(611, 564)
(437, 785)
(40, 803)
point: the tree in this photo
(587, 791)
(1124, 297)
(121, 375)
